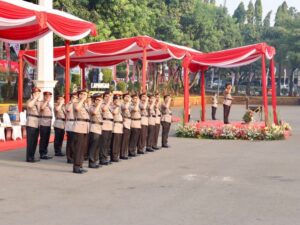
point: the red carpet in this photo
(14, 145)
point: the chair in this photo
(16, 129)
(6, 120)
(2, 134)
(23, 118)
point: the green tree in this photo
(250, 13)
(240, 13)
(267, 20)
(258, 13)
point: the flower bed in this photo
(235, 132)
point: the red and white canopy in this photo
(109, 53)
(24, 22)
(234, 57)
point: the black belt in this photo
(61, 119)
(33, 115)
(97, 122)
(167, 114)
(158, 115)
(136, 119)
(118, 121)
(229, 99)
(83, 120)
(108, 119)
(46, 117)
(70, 120)
(153, 116)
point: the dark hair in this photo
(227, 84)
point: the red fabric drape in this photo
(20, 82)
(83, 81)
(186, 87)
(272, 69)
(264, 87)
(144, 70)
(28, 22)
(67, 72)
(203, 103)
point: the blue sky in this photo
(267, 5)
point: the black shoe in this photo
(140, 153)
(45, 157)
(79, 170)
(155, 148)
(132, 155)
(70, 161)
(59, 154)
(115, 160)
(124, 158)
(149, 150)
(165, 146)
(105, 163)
(32, 160)
(94, 166)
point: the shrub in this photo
(121, 86)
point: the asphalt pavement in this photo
(195, 182)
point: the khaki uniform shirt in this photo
(166, 114)
(118, 121)
(69, 116)
(126, 109)
(33, 114)
(135, 117)
(107, 118)
(60, 118)
(96, 120)
(82, 119)
(152, 116)
(215, 101)
(46, 116)
(144, 114)
(157, 114)
(227, 99)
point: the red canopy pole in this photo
(144, 70)
(186, 87)
(115, 73)
(20, 82)
(67, 71)
(264, 86)
(203, 103)
(272, 69)
(127, 70)
(83, 81)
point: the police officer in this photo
(45, 125)
(117, 129)
(157, 121)
(59, 124)
(69, 126)
(32, 124)
(135, 127)
(144, 123)
(126, 113)
(107, 128)
(151, 123)
(166, 120)
(227, 103)
(95, 130)
(81, 128)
